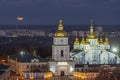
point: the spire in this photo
(97, 40)
(76, 42)
(91, 35)
(101, 40)
(91, 22)
(106, 41)
(60, 25)
(91, 26)
(60, 32)
(87, 42)
(83, 40)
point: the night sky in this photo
(45, 12)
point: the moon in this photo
(19, 18)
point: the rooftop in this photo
(76, 51)
(95, 65)
(26, 57)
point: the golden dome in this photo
(91, 35)
(76, 42)
(101, 41)
(83, 41)
(97, 40)
(87, 42)
(106, 41)
(60, 32)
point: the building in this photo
(93, 50)
(87, 56)
(28, 66)
(94, 71)
(4, 72)
(61, 64)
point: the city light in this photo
(48, 76)
(34, 46)
(71, 69)
(22, 52)
(114, 49)
(52, 69)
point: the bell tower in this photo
(60, 47)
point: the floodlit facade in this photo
(88, 55)
(93, 50)
(61, 64)
(28, 66)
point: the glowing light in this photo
(48, 75)
(19, 18)
(114, 49)
(22, 52)
(62, 63)
(52, 69)
(71, 69)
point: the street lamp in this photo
(22, 52)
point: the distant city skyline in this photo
(48, 12)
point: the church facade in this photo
(84, 57)
(93, 50)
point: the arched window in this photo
(62, 53)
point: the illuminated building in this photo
(28, 66)
(91, 50)
(32, 67)
(87, 55)
(61, 64)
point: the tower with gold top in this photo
(92, 50)
(61, 64)
(60, 32)
(60, 48)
